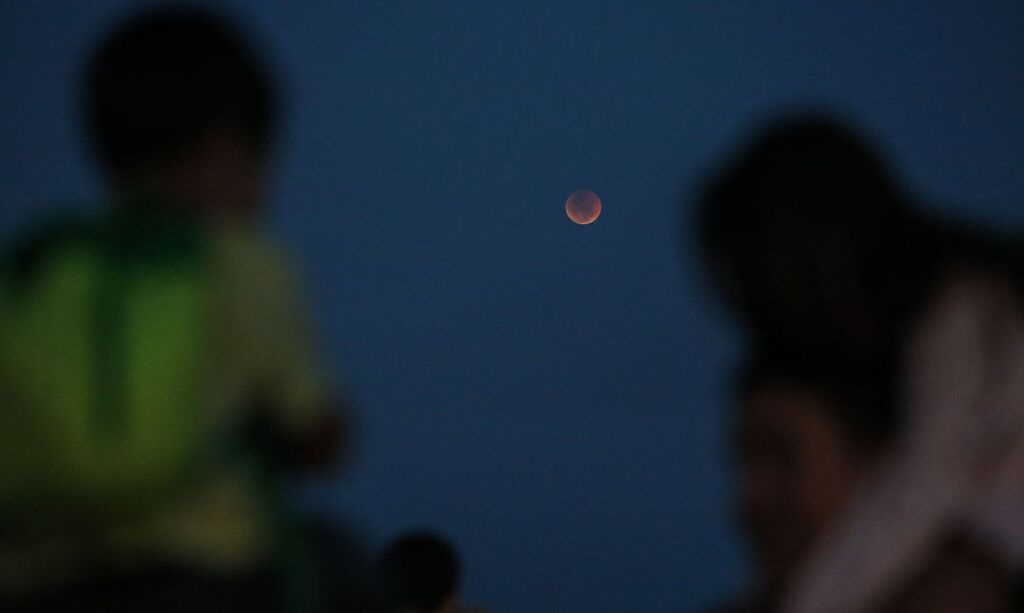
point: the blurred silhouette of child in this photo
(182, 117)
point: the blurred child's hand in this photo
(324, 445)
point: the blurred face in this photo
(229, 175)
(452, 605)
(797, 471)
(222, 179)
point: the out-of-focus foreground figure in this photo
(156, 366)
(827, 261)
(421, 574)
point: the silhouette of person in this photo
(157, 363)
(421, 571)
(823, 256)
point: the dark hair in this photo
(808, 166)
(805, 212)
(421, 569)
(809, 196)
(862, 402)
(164, 77)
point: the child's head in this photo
(422, 572)
(178, 107)
(806, 438)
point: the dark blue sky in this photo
(550, 396)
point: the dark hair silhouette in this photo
(821, 253)
(422, 571)
(163, 78)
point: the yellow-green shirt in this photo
(261, 343)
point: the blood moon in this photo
(583, 207)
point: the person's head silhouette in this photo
(808, 237)
(422, 572)
(180, 110)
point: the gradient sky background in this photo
(548, 395)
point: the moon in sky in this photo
(583, 207)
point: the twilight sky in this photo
(550, 396)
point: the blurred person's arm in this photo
(302, 419)
(314, 423)
(964, 381)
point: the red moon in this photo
(583, 207)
